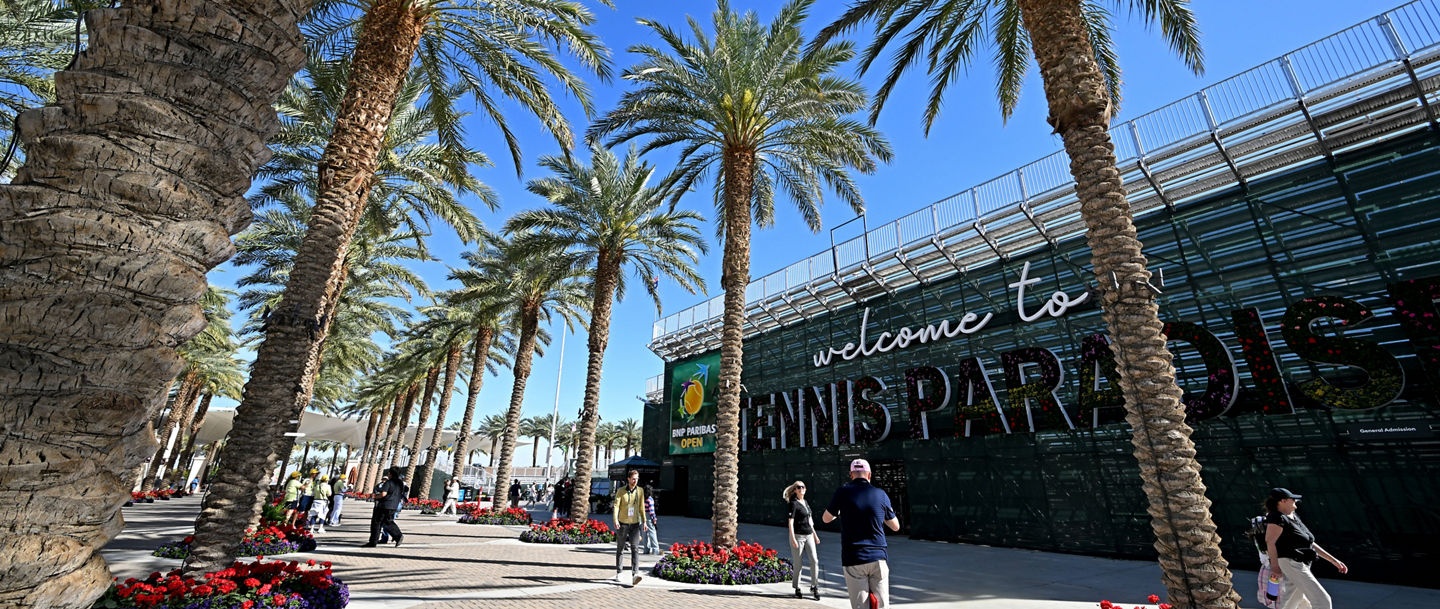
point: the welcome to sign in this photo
(972, 397)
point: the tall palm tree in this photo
(492, 428)
(536, 428)
(609, 215)
(477, 48)
(1071, 43)
(606, 438)
(448, 334)
(489, 347)
(751, 109)
(629, 433)
(118, 272)
(543, 286)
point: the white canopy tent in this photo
(317, 426)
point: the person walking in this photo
(514, 493)
(864, 512)
(292, 496)
(387, 503)
(803, 538)
(1292, 548)
(630, 523)
(337, 500)
(452, 496)
(652, 530)
(321, 506)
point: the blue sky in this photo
(968, 145)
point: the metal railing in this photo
(1370, 82)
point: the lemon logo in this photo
(692, 392)
(694, 396)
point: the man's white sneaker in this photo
(637, 581)
(619, 577)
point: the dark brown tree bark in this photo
(133, 181)
(452, 369)
(480, 355)
(524, 353)
(283, 375)
(739, 168)
(430, 380)
(1194, 572)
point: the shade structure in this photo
(648, 469)
(315, 426)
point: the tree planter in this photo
(287, 585)
(477, 515)
(701, 563)
(567, 531)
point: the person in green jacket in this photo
(630, 524)
(292, 496)
(320, 509)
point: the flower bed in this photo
(163, 494)
(271, 539)
(421, 504)
(700, 563)
(1152, 599)
(567, 531)
(474, 514)
(254, 585)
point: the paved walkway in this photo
(446, 565)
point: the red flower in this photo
(1164, 606)
(279, 600)
(1106, 605)
(251, 582)
(1153, 598)
(247, 605)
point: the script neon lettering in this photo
(1058, 304)
(970, 323)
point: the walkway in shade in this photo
(446, 565)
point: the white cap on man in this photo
(860, 465)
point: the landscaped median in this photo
(472, 513)
(270, 539)
(567, 531)
(255, 585)
(701, 563)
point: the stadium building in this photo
(1294, 210)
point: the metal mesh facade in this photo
(1347, 227)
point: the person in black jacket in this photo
(387, 502)
(1291, 548)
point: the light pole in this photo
(555, 416)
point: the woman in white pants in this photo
(452, 496)
(1291, 548)
(803, 537)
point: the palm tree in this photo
(448, 331)
(535, 428)
(489, 348)
(606, 437)
(475, 48)
(37, 38)
(756, 113)
(138, 270)
(629, 433)
(607, 214)
(543, 286)
(492, 428)
(1071, 44)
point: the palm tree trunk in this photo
(607, 273)
(189, 384)
(430, 380)
(472, 394)
(524, 352)
(493, 443)
(382, 437)
(182, 433)
(739, 168)
(392, 450)
(109, 231)
(283, 375)
(181, 468)
(168, 446)
(1194, 572)
(452, 368)
(367, 447)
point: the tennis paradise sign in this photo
(1022, 391)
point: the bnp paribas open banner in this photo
(692, 405)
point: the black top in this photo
(394, 494)
(1295, 537)
(800, 513)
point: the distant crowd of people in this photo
(315, 497)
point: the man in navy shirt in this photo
(862, 510)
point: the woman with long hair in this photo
(803, 537)
(1291, 548)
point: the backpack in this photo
(1256, 533)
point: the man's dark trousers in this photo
(383, 519)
